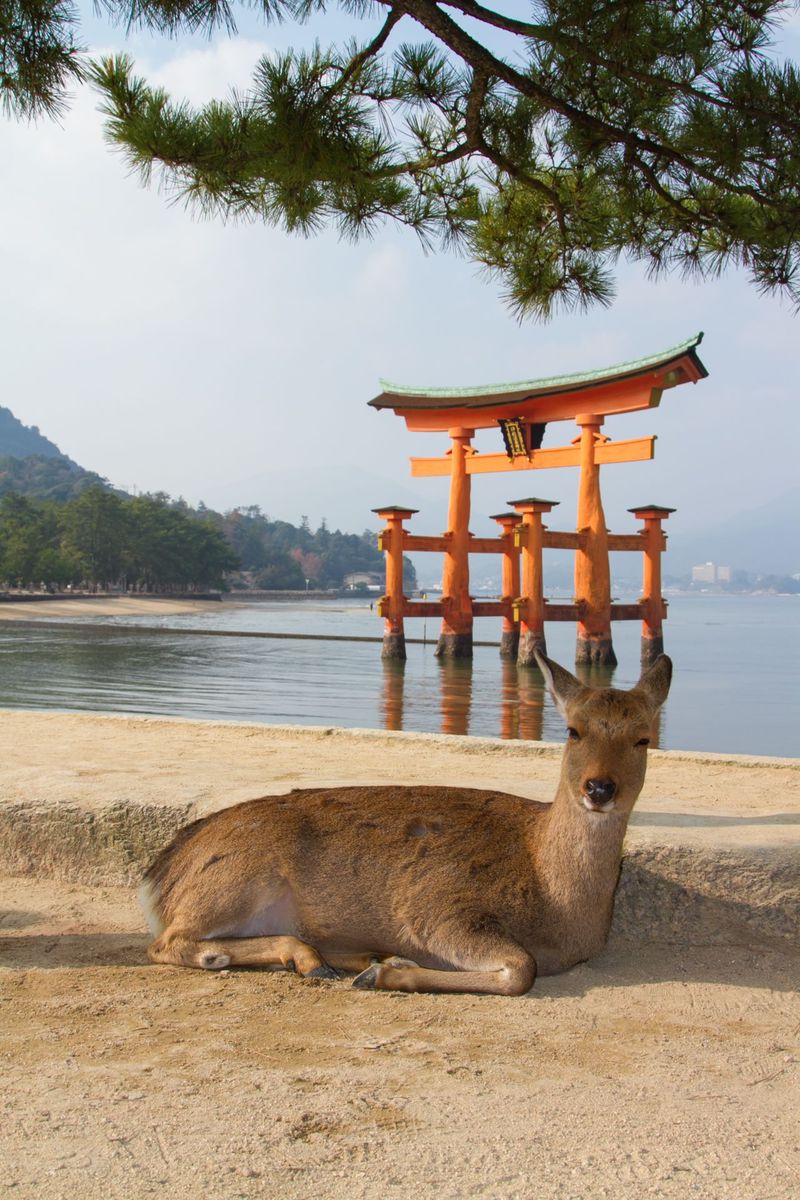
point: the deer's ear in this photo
(563, 686)
(655, 681)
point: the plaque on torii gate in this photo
(520, 412)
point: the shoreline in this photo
(102, 606)
(341, 639)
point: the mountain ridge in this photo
(24, 441)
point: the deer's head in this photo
(608, 732)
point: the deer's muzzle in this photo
(598, 794)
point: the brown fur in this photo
(477, 889)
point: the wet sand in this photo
(116, 606)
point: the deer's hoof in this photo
(323, 971)
(367, 980)
(214, 962)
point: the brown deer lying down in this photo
(421, 889)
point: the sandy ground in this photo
(652, 1071)
(655, 1070)
(119, 606)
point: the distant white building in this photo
(371, 580)
(710, 572)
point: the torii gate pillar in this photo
(455, 639)
(509, 522)
(530, 604)
(653, 605)
(392, 606)
(592, 570)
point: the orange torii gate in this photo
(521, 411)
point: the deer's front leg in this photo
(488, 963)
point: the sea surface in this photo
(735, 690)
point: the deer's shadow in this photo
(623, 963)
(60, 951)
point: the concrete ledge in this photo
(695, 897)
(112, 846)
(712, 854)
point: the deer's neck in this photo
(577, 858)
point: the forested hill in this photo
(151, 543)
(45, 478)
(45, 497)
(21, 441)
(279, 555)
(32, 465)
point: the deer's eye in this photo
(573, 734)
(643, 742)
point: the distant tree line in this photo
(101, 539)
(279, 555)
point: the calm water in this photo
(737, 663)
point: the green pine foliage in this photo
(543, 144)
(39, 56)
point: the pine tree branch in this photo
(687, 214)
(557, 38)
(428, 14)
(369, 51)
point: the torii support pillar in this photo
(530, 605)
(392, 606)
(455, 639)
(592, 570)
(653, 604)
(509, 635)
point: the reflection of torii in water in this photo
(522, 410)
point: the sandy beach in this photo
(112, 606)
(668, 1066)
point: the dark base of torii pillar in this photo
(454, 645)
(394, 646)
(652, 647)
(509, 644)
(595, 651)
(529, 643)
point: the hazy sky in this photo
(233, 364)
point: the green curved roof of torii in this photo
(400, 396)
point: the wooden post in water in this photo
(509, 634)
(455, 639)
(530, 604)
(592, 570)
(653, 604)
(391, 606)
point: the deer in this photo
(418, 888)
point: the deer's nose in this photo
(600, 790)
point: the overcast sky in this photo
(233, 364)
